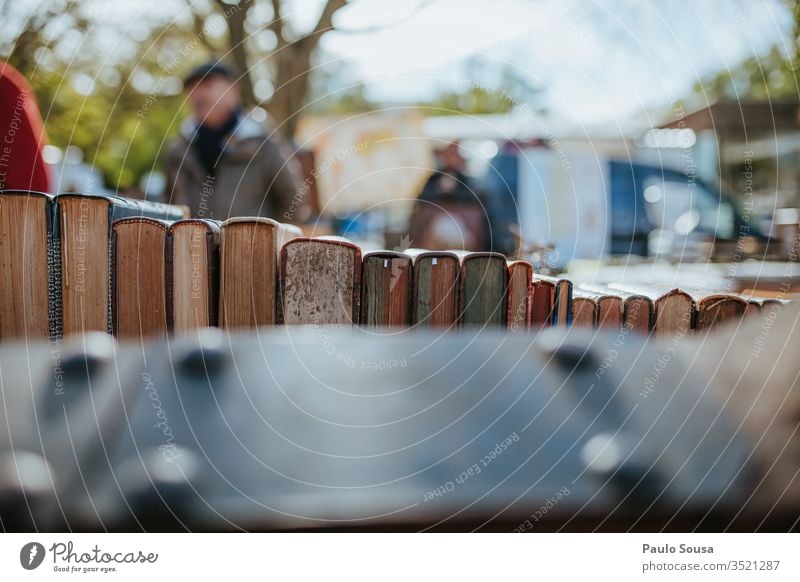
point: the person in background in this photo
(22, 135)
(224, 163)
(450, 212)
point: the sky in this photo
(597, 60)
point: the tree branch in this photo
(199, 22)
(324, 24)
(276, 26)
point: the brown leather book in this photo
(637, 311)
(192, 274)
(58, 248)
(560, 290)
(320, 281)
(762, 305)
(386, 279)
(714, 309)
(249, 267)
(483, 290)
(584, 309)
(542, 293)
(673, 309)
(26, 284)
(610, 306)
(519, 296)
(138, 278)
(82, 240)
(435, 288)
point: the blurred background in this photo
(563, 131)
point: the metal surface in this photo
(316, 427)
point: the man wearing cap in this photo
(224, 163)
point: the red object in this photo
(22, 135)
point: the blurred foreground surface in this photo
(317, 428)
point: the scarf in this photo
(209, 143)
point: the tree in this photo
(770, 76)
(97, 105)
(290, 62)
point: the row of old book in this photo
(74, 263)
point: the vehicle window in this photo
(683, 207)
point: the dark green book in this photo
(483, 290)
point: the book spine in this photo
(356, 312)
(114, 283)
(213, 272)
(110, 263)
(169, 266)
(55, 314)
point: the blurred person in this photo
(450, 212)
(224, 163)
(22, 135)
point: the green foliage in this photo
(122, 132)
(768, 77)
(481, 89)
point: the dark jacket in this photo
(253, 176)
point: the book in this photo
(249, 267)
(584, 309)
(138, 275)
(27, 284)
(386, 279)
(76, 230)
(762, 305)
(435, 288)
(560, 298)
(673, 309)
(82, 240)
(192, 274)
(714, 309)
(609, 306)
(542, 292)
(518, 316)
(482, 289)
(637, 311)
(320, 281)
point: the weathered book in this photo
(518, 316)
(139, 278)
(637, 310)
(673, 309)
(84, 244)
(249, 266)
(762, 305)
(435, 288)
(320, 281)
(27, 286)
(386, 278)
(560, 298)
(77, 251)
(584, 309)
(483, 289)
(542, 292)
(714, 309)
(610, 306)
(192, 274)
